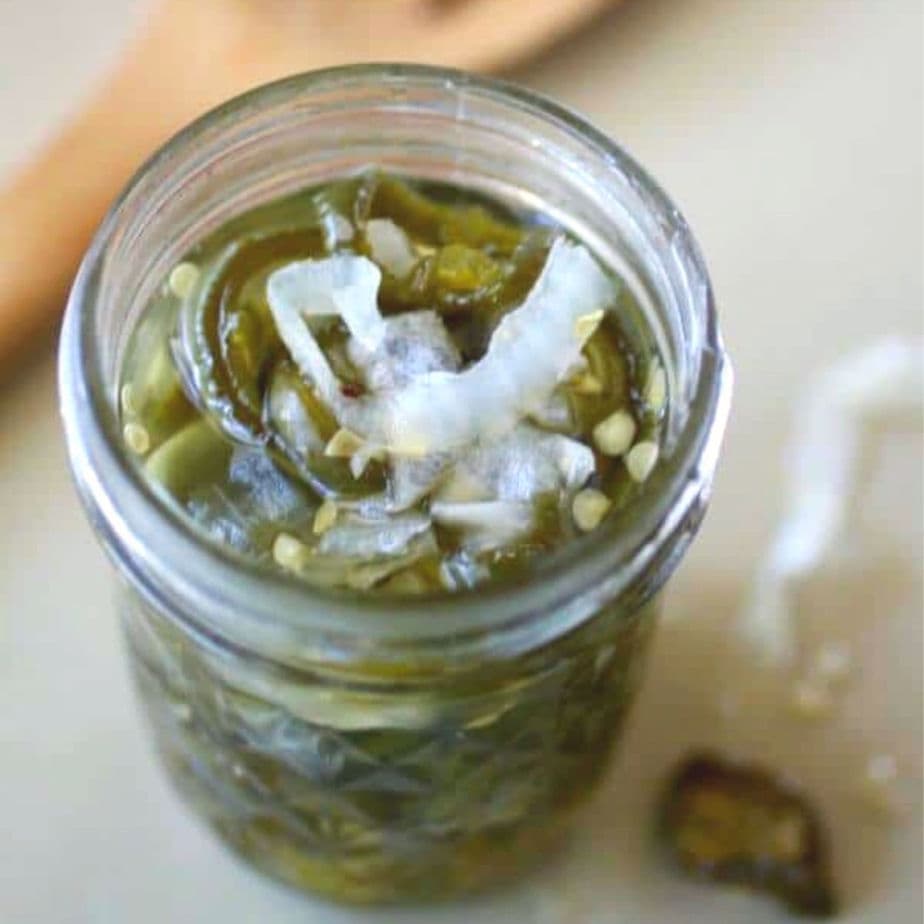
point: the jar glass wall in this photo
(371, 749)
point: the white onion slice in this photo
(487, 524)
(344, 285)
(360, 538)
(530, 352)
(520, 466)
(390, 247)
(414, 343)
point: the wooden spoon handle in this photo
(47, 216)
(50, 209)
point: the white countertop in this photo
(790, 133)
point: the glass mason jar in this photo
(365, 748)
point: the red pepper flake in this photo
(351, 389)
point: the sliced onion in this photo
(360, 553)
(487, 524)
(343, 285)
(531, 350)
(366, 539)
(389, 246)
(521, 466)
(414, 343)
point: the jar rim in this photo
(239, 602)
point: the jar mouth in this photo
(224, 596)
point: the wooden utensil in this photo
(192, 55)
